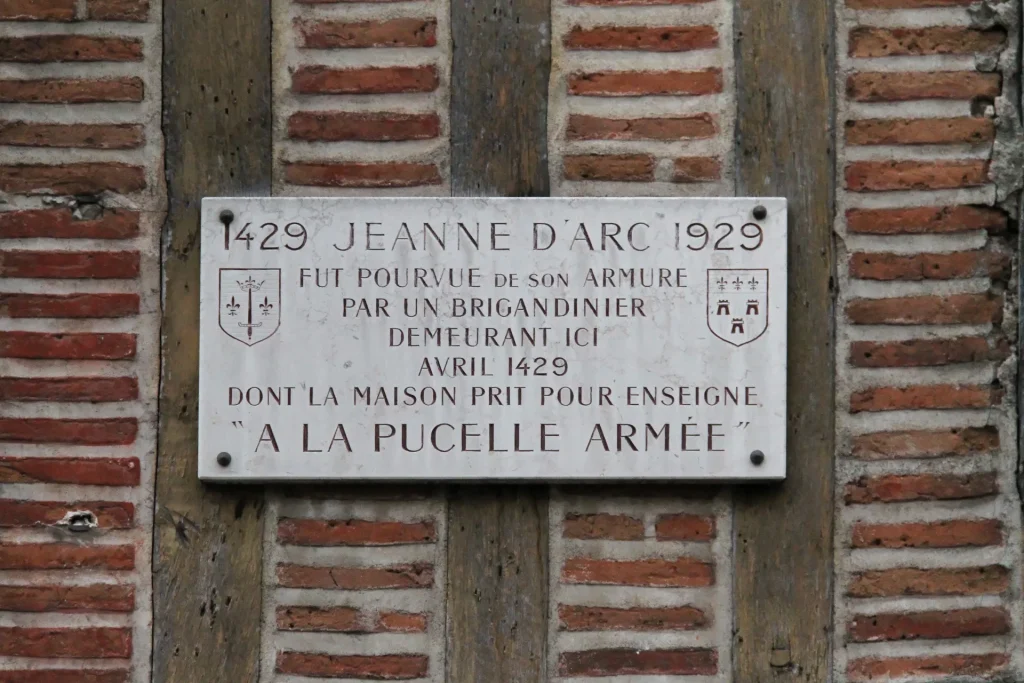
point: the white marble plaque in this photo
(504, 339)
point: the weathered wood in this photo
(783, 563)
(497, 535)
(208, 546)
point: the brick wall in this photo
(927, 527)
(81, 177)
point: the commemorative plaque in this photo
(492, 339)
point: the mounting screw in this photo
(226, 216)
(223, 459)
(760, 213)
(757, 457)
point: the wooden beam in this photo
(497, 535)
(208, 541)
(783, 562)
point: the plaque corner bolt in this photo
(223, 459)
(756, 457)
(226, 217)
(760, 212)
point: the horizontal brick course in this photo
(634, 662)
(348, 620)
(904, 86)
(584, 127)
(117, 10)
(367, 127)
(926, 266)
(374, 667)
(72, 179)
(31, 556)
(77, 135)
(29, 513)
(603, 526)
(870, 41)
(920, 353)
(926, 397)
(954, 309)
(584, 618)
(696, 170)
(883, 176)
(113, 224)
(398, 576)
(642, 38)
(959, 130)
(404, 32)
(682, 572)
(115, 431)
(63, 643)
(955, 533)
(684, 527)
(70, 48)
(940, 625)
(68, 305)
(370, 80)
(634, 83)
(925, 443)
(97, 265)
(67, 346)
(610, 167)
(354, 532)
(103, 597)
(87, 389)
(926, 667)
(898, 488)
(72, 90)
(906, 4)
(79, 471)
(76, 675)
(363, 175)
(37, 10)
(988, 580)
(925, 220)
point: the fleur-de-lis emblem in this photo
(233, 306)
(266, 306)
(753, 283)
(737, 283)
(721, 283)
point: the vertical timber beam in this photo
(208, 544)
(497, 534)
(783, 534)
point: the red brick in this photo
(603, 526)
(61, 643)
(65, 389)
(926, 397)
(37, 10)
(358, 532)
(612, 167)
(884, 583)
(72, 179)
(696, 170)
(403, 32)
(397, 576)
(870, 41)
(31, 556)
(682, 572)
(906, 4)
(882, 176)
(70, 48)
(633, 83)
(369, 80)
(80, 471)
(115, 431)
(114, 224)
(684, 527)
(584, 127)
(960, 130)
(103, 597)
(926, 667)
(76, 135)
(117, 10)
(642, 38)
(68, 305)
(939, 625)
(921, 353)
(954, 309)
(916, 267)
(118, 265)
(29, 513)
(898, 488)
(634, 662)
(903, 86)
(348, 620)
(374, 667)
(925, 219)
(925, 443)
(75, 675)
(323, 126)
(72, 90)
(954, 533)
(582, 618)
(618, 3)
(365, 175)
(67, 346)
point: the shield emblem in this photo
(250, 303)
(738, 304)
